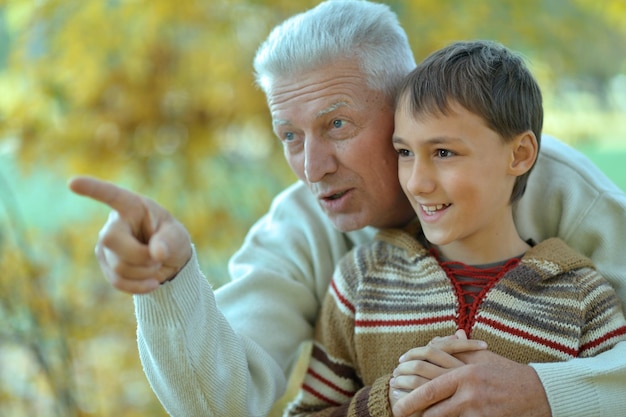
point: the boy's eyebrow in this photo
(443, 139)
(432, 141)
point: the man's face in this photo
(336, 133)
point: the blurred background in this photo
(158, 96)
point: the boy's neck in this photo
(497, 245)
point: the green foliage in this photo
(159, 96)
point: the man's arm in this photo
(196, 364)
(230, 353)
(586, 387)
(571, 198)
(196, 361)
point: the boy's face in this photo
(336, 135)
(455, 172)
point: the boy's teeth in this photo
(432, 209)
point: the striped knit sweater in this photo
(392, 295)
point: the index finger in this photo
(447, 345)
(424, 396)
(117, 198)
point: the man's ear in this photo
(524, 151)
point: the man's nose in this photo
(320, 158)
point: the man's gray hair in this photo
(334, 30)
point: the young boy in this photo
(467, 131)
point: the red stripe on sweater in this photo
(341, 298)
(318, 395)
(528, 336)
(329, 383)
(402, 323)
(596, 342)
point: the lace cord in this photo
(471, 285)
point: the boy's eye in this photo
(444, 153)
(404, 152)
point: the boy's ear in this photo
(524, 151)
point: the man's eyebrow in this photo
(327, 110)
(280, 122)
(331, 108)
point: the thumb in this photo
(460, 334)
(158, 249)
(171, 246)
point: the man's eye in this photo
(337, 123)
(288, 136)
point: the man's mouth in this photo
(335, 196)
(432, 209)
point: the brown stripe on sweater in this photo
(361, 402)
(340, 370)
